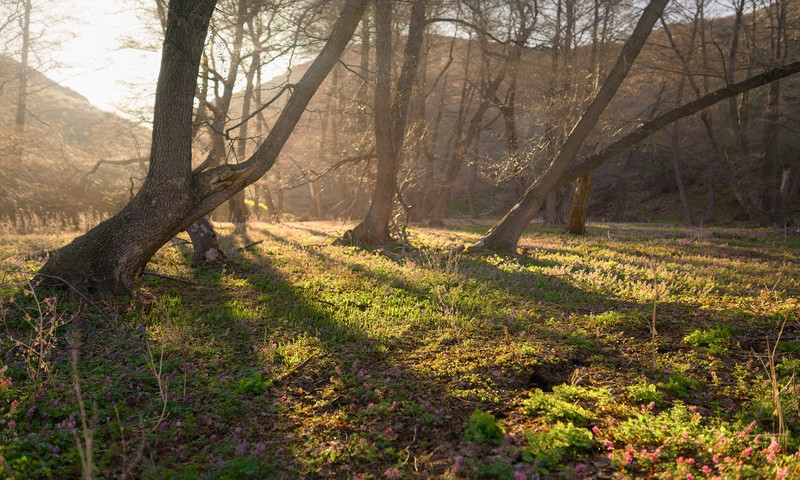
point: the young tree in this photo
(111, 257)
(390, 119)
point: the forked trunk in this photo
(111, 257)
(390, 120)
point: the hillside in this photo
(640, 185)
(46, 172)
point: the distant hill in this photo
(641, 186)
(46, 171)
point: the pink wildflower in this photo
(392, 473)
(629, 454)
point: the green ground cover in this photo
(636, 352)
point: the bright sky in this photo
(94, 62)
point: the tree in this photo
(597, 159)
(111, 257)
(506, 233)
(390, 119)
(521, 20)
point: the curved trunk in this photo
(110, 257)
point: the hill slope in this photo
(47, 169)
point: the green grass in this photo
(302, 359)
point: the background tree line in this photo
(483, 107)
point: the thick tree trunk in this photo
(110, 257)
(506, 234)
(374, 229)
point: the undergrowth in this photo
(635, 352)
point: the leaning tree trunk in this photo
(110, 257)
(113, 255)
(505, 234)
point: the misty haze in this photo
(504, 239)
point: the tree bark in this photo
(111, 257)
(390, 120)
(580, 206)
(206, 245)
(505, 234)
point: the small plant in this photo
(483, 428)
(547, 449)
(678, 385)
(574, 393)
(37, 349)
(552, 407)
(715, 340)
(645, 392)
(253, 385)
(84, 443)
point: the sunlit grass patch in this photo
(305, 359)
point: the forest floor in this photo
(638, 351)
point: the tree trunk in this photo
(390, 120)
(621, 197)
(205, 243)
(505, 234)
(238, 212)
(22, 84)
(580, 206)
(678, 172)
(111, 257)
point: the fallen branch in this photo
(251, 245)
(41, 254)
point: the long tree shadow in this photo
(332, 380)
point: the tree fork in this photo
(110, 258)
